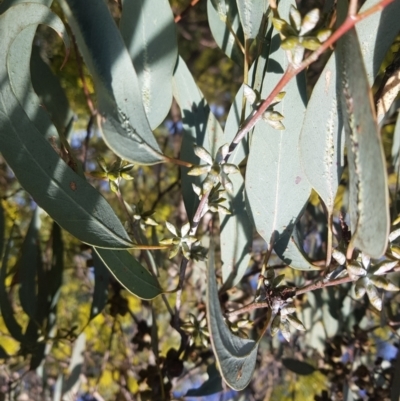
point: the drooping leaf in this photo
(199, 126)
(236, 356)
(21, 77)
(39, 169)
(396, 145)
(130, 273)
(236, 235)
(368, 199)
(292, 253)
(124, 124)
(72, 382)
(101, 281)
(148, 30)
(211, 386)
(221, 16)
(322, 139)
(276, 198)
(299, 367)
(6, 308)
(47, 86)
(251, 13)
(29, 265)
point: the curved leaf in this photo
(277, 197)
(79, 208)
(236, 235)
(101, 281)
(200, 126)
(219, 16)
(292, 253)
(124, 125)
(236, 356)
(148, 29)
(322, 140)
(130, 273)
(7, 312)
(21, 77)
(251, 13)
(299, 367)
(211, 386)
(51, 94)
(368, 199)
(29, 265)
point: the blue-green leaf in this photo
(299, 367)
(71, 384)
(29, 265)
(199, 126)
(6, 308)
(251, 13)
(368, 199)
(236, 356)
(148, 30)
(101, 281)
(220, 15)
(211, 386)
(322, 139)
(48, 88)
(124, 124)
(130, 273)
(277, 197)
(78, 208)
(236, 235)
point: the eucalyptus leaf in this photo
(299, 367)
(396, 145)
(48, 88)
(72, 383)
(322, 139)
(221, 16)
(211, 386)
(130, 273)
(7, 312)
(125, 127)
(148, 30)
(200, 127)
(277, 198)
(368, 199)
(251, 13)
(39, 169)
(236, 356)
(236, 235)
(101, 282)
(21, 77)
(29, 265)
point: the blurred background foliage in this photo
(119, 354)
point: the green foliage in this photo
(271, 163)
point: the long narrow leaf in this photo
(29, 265)
(221, 17)
(124, 125)
(198, 123)
(369, 203)
(79, 208)
(236, 356)
(148, 30)
(101, 281)
(277, 196)
(6, 309)
(130, 273)
(322, 141)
